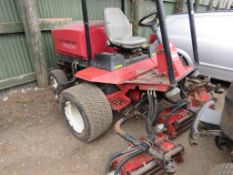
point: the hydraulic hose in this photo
(112, 159)
(155, 112)
(139, 148)
(178, 106)
(65, 84)
(123, 133)
(175, 108)
(118, 168)
(152, 113)
(142, 148)
(149, 128)
(174, 103)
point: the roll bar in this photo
(87, 32)
(164, 33)
(193, 31)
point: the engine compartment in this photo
(70, 40)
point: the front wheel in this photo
(87, 111)
(56, 78)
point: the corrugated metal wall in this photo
(14, 56)
(56, 9)
(16, 66)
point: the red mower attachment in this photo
(151, 162)
(143, 162)
(176, 122)
(153, 154)
(200, 90)
(180, 115)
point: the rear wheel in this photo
(87, 111)
(222, 169)
(56, 78)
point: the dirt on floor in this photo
(36, 140)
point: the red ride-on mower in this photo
(210, 122)
(103, 68)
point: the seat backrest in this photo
(117, 25)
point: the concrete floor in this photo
(35, 139)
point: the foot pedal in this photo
(118, 101)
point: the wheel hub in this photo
(74, 117)
(53, 82)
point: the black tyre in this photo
(222, 169)
(87, 111)
(56, 78)
(183, 60)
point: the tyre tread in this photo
(96, 106)
(59, 75)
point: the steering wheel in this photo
(147, 22)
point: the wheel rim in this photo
(53, 82)
(74, 117)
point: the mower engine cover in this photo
(70, 40)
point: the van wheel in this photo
(56, 78)
(222, 169)
(185, 58)
(87, 111)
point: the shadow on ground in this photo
(35, 139)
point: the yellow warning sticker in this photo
(118, 66)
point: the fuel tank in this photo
(226, 124)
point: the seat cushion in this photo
(118, 29)
(130, 42)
